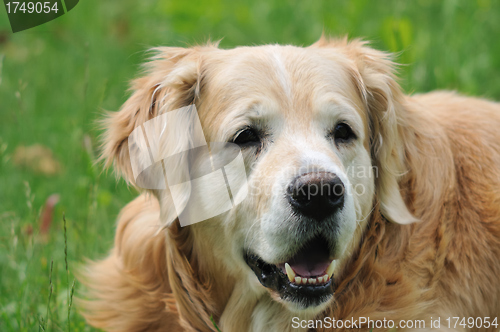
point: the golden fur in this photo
(438, 152)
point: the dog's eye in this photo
(343, 133)
(248, 136)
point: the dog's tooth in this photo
(326, 278)
(330, 269)
(320, 279)
(312, 280)
(289, 272)
(298, 280)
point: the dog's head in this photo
(319, 129)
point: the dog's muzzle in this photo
(305, 278)
(316, 195)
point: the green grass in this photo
(56, 79)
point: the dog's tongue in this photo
(312, 260)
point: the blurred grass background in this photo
(56, 79)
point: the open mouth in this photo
(305, 278)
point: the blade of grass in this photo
(213, 322)
(66, 261)
(41, 322)
(69, 296)
(71, 302)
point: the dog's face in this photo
(317, 128)
(303, 131)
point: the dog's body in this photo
(437, 157)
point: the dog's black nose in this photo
(316, 195)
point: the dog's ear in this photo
(373, 74)
(385, 103)
(171, 80)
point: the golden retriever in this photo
(412, 235)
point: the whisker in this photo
(367, 215)
(247, 235)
